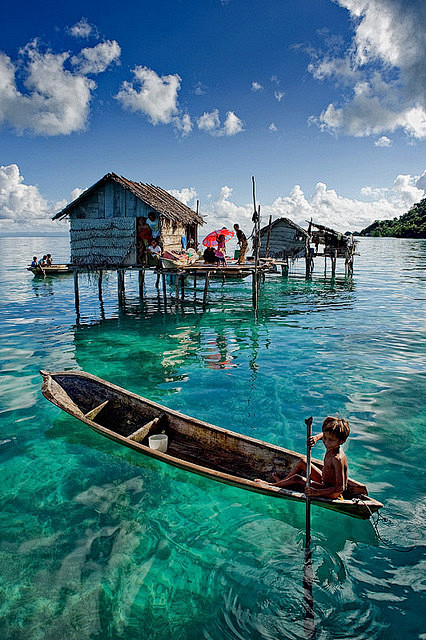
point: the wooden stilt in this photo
(76, 296)
(182, 286)
(163, 275)
(195, 286)
(206, 286)
(120, 285)
(333, 263)
(141, 278)
(100, 285)
(284, 269)
(177, 289)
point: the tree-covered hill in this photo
(410, 225)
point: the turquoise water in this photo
(98, 542)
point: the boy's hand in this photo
(309, 491)
(314, 439)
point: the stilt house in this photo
(328, 242)
(104, 221)
(283, 239)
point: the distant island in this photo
(410, 225)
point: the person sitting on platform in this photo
(209, 255)
(242, 241)
(332, 480)
(155, 252)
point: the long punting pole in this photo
(309, 623)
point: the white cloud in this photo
(183, 124)
(57, 100)
(98, 58)
(185, 195)
(200, 89)
(210, 122)
(151, 94)
(386, 67)
(325, 205)
(272, 127)
(256, 86)
(384, 141)
(22, 207)
(279, 95)
(232, 124)
(82, 29)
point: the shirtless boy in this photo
(332, 480)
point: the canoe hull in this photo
(194, 445)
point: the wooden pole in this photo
(163, 276)
(176, 288)
(309, 622)
(76, 296)
(182, 286)
(141, 278)
(206, 286)
(100, 285)
(308, 423)
(268, 239)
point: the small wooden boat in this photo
(53, 270)
(193, 445)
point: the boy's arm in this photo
(335, 490)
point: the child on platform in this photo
(332, 480)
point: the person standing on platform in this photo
(154, 223)
(243, 243)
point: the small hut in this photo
(104, 221)
(328, 242)
(283, 239)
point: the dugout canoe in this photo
(54, 270)
(193, 445)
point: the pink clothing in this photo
(220, 251)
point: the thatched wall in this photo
(107, 241)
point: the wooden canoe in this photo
(195, 446)
(53, 270)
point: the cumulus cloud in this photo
(256, 86)
(210, 122)
(385, 66)
(279, 95)
(22, 207)
(153, 95)
(272, 127)
(57, 100)
(325, 205)
(384, 141)
(98, 58)
(82, 29)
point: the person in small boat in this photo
(43, 262)
(49, 260)
(220, 251)
(243, 244)
(332, 480)
(34, 263)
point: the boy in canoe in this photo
(332, 480)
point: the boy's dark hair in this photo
(338, 426)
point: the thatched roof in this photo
(155, 197)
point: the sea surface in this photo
(100, 542)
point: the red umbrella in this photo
(211, 239)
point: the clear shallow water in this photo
(98, 542)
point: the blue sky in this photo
(322, 101)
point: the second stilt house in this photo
(283, 239)
(105, 219)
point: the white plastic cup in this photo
(159, 442)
